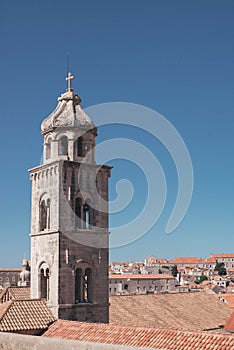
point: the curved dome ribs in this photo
(68, 120)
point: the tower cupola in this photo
(69, 133)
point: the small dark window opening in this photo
(63, 146)
(88, 214)
(48, 149)
(79, 147)
(78, 211)
(78, 286)
(44, 215)
(45, 284)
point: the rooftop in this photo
(188, 311)
(19, 293)
(186, 260)
(20, 315)
(10, 269)
(226, 297)
(154, 338)
(140, 276)
(222, 256)
(229, 325)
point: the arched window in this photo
(84, 285)
(44, 221)
(43, 216)
(48, 148)
(63, 146)
(44, 281)
(84, 213)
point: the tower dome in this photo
(68, 112)
(65, 125)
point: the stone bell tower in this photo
(69, 220)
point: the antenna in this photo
(68, 62)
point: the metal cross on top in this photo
(69, 78)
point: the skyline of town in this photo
(146, 57)
(117, 181)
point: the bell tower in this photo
(69, 219)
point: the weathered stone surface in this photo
(10, 341)
(69, 220)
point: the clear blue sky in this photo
(176, 57)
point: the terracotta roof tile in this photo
(117, 263)
(226, 297)
(215, 256)
(188, 311)
(154, 338)
(141, 276)
(16, 315)
(229, 325)
(5, 269)
(187, 260)
(12, 293)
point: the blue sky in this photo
(176, 57)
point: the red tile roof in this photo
(154, 338)
(140, 276)
(227, 297)
(229, 325)
(20, 315)
(6, 269)
(117, 263)
(188, 311)
(19, 293)
(216, 256)
(187, 260)
(153, 260)
(211, 259)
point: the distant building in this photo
(9, 277)
(227, 259)
(151, 260)
(140, 283)
(117, 267)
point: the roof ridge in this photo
(143, 337)
(7, 305)
(29, 299)
(3, 292)
(158, 328)
(16, 287)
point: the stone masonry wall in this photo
(11, 341)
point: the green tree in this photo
(174, 270)
(220, 267)
(201, 279)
